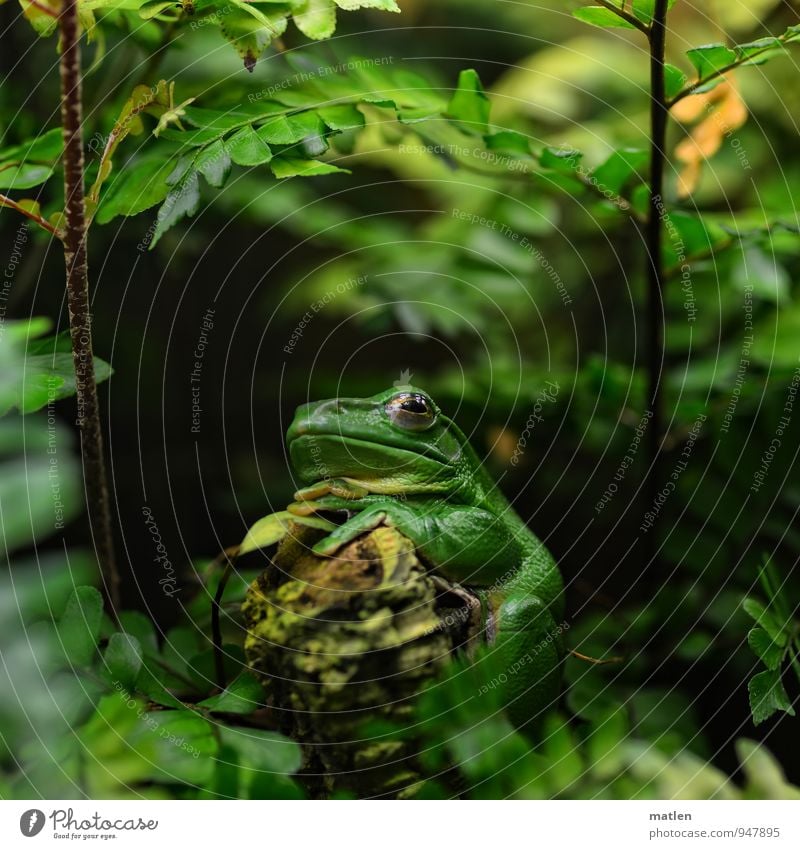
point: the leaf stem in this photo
(45, 10)
(626, 16)
(42, 222)
(216, 607)
(657, 35)
(75, 257)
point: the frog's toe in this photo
(318, 505)
(309, 493)
(347, 532)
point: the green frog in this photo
(397, 459)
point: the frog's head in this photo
(397, 441)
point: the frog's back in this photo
(538, 572)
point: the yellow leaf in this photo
(724, 112)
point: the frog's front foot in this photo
(369, 516)
(339, 487)
(359, 524)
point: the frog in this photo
(396, 459)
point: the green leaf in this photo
(759, 51)
(123, 660)
(343, 117)
(273, 528)
(763, 646)
(192, 138)
(182, 201)
(766, 277)
(215, 120)
(644, 9)
(689, 235)
(469, 104)
(766, 620)
(599, 16)
(290, 129)
(765, 776)
(214, 163)
(315, 18)
(767, 695)
(138, 185)
(674, 80)
(250, 31)
(383, 5)
(247, 148)
(180, 745)
(153, 8)
(619, 168)
(605, 744)
(263, 750)
(43, 24)
(36, 496)
(508, 141)
(31, 162)
(244, 695)
(79, 627)
(136, 624)
(149, 684)
(560, 159)
(711, 59)
(51, 377)
(291, 166)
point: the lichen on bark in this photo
(343, 646)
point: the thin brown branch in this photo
(45, 10)
(596, 661)
(42, 222)
(80, 320)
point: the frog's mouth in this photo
(318, 455)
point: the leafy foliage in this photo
(48, 373)
(776, 643)
(604, 755)
(248, 27)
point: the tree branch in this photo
(94, 469)
(654, 239)
(42, 222)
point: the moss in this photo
(343, 645)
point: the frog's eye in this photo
(411, 411)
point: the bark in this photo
(80, 319)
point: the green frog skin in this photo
(396, 459)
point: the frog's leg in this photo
(372, 512)
(335, 486)
(466, 544)
(526, 652)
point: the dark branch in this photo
(94, 469)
